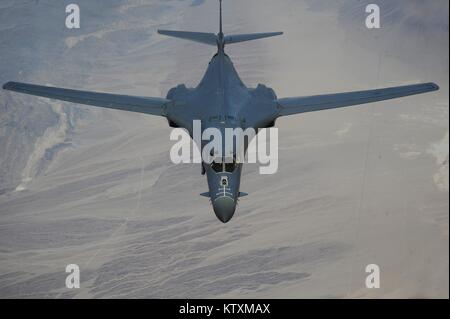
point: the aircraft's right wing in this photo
(297, 105)
(146, 105)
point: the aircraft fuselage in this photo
(222, 100)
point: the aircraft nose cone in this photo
(224, 207)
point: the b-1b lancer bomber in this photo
(221, 101)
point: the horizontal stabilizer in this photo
(249, 37)
(200, 37)
(217, 39)
(242, 194)
(146, 105)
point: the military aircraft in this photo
(221, 100)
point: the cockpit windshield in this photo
(217, 167)
(230, 167)
(223, 165)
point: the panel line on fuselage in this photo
(221, 84)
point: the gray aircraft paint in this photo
(221, 100)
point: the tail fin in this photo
(220, 19)
(220, 40)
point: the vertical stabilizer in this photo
(220, 36)
(220, 21)
(220, 39)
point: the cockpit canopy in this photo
(227, 165)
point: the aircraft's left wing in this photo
(296, 105)
(146, 105)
